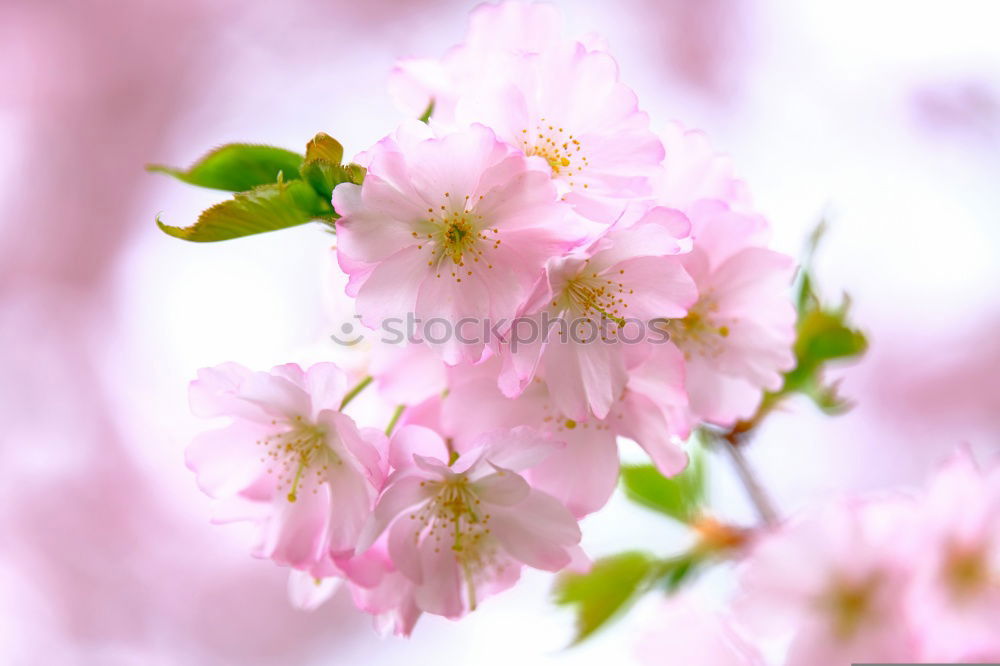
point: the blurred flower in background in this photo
(882, 116)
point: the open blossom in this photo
(551, 97)
(583, 473)
(498, 34)
(290, 460)
(737, 337)
(567, 107)
(956, 595)
(457, 227)
(836, 581)
(597, 312)
(462, 531)
(693, 171)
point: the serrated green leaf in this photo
(679, 497)
(606, 590)
(324, 176)
(264, 208)
(237, 167)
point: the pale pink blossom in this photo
(456, 227)
(498, 34)
(290, 460)
(552, 97)
(835, 584)
(462, 531)
(737, 338)
(693, 170)
(599, 311)
(692, 634)
(584, 473)
(567, 107)
(956, 595)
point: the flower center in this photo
(592, 294)
(966, 571)
(296, 451)
(700, 332)
(556, 146)
(453, 516)
(458, 235)
(851, 605)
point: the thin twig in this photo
(756, 492)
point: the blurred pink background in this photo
(885, 116)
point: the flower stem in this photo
(395, 419)
(358, 388)
(758, 496)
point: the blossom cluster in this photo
(891, 578)
(536, 190)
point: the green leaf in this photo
(680, 497)
(237, 167)
(607, 589)
(264, 208)
(676, 571)
(324, 176)
(823, 334)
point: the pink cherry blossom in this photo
(956, 595)
(461, 532)
(567, 107)
(584, 473)
(693, 171)
(552, 97)
(450, 227)
(835, 583)
(599, 311)
(498, 34)
(289, 461)
(737, 338)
